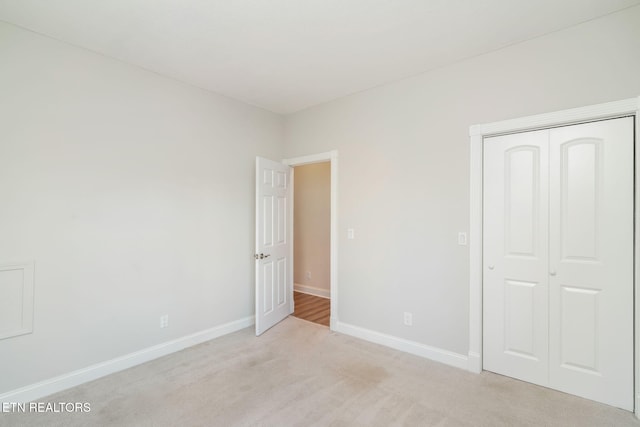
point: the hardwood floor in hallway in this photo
(312, 308)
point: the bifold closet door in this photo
(515, 247)
(591, 261)
(558, 259)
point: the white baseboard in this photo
(53, 385)
(311, 290)
(475, 363)
(428, 352)
(333, 324)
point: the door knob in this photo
(261, 256)
(552, 273)
(490, 267)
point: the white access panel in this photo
(16, 299)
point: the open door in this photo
(274, 281)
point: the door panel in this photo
(274, 286)
(578, 329)
(580, 166)
(282, 281)
(591, 260)
(267, 287)
(519, 319)
(515, 256)
(521, 199)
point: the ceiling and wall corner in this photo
(288, 55)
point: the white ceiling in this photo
(287, 55)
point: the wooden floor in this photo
(312, 308)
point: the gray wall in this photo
(404, 166)
(133, 193)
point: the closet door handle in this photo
(491, 267)
(552, 273)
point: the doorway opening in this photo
(311, 242)
(315, 237)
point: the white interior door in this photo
(558, 259)
(515, 287)
(274, 282)
(591, 261)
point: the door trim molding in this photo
(332, 157)
(477, 133)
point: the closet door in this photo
(558, 259)
(591, 260)
(515, 247)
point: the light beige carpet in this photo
(301, 374)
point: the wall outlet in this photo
(308, 275)
(408, 318)
(164, 320)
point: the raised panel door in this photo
(274, 287)
(515, 248)
(591, 260)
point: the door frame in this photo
(332, 157)
(477, 133)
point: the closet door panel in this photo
(591, 260)
(515, 256)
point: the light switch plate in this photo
(351, 234)
(462, 239)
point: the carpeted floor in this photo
(302, 374)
